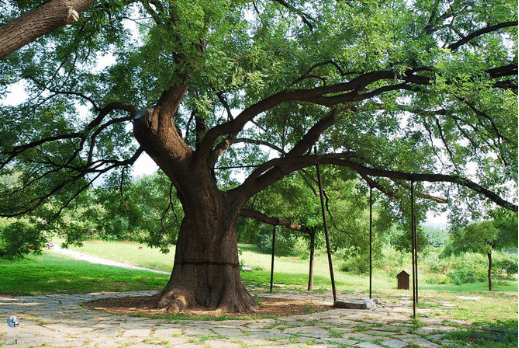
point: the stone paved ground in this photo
(60, 321)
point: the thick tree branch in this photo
(344, 93)
(480, 32)
(261, 178)
(361, 169)
(156, 131)
(502, 71)
(38, 22)
(276, 169)
(274, 221)
(316, 95)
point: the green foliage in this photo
(437, 268)
(505, 265)
(402, 239)
(481, 237)
(484, 237)
(20, 237)
(435, 237)
(296, 197)
(145, 210)
(357, 265)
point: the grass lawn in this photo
(128, 252)
(52, 273)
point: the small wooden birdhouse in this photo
(403, 280)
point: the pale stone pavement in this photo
(60, 321)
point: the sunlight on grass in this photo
(131, 253)
(288, 270)
(52, 273)
(295, 266)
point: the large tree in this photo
(399, 92)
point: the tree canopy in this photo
(228, 97)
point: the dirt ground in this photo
(269, 306)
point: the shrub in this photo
(468, 268)
(19, 238)
(435, 278)
(505, 265)
(434, 263)
(462, 276)
(395, 261)
(357, 265)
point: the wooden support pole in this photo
(272, 262)
(312, 257)
(413, 249)
(415, 229)
(330, 263)
(370, 241)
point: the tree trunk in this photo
(39, 22)
(206, 271)
(490, 271)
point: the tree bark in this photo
(38, 22)
(206, 271)
(489, 271)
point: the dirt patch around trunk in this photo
(268, 307)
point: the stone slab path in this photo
(60, 321)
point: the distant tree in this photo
(435, 237)
(485, 237)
